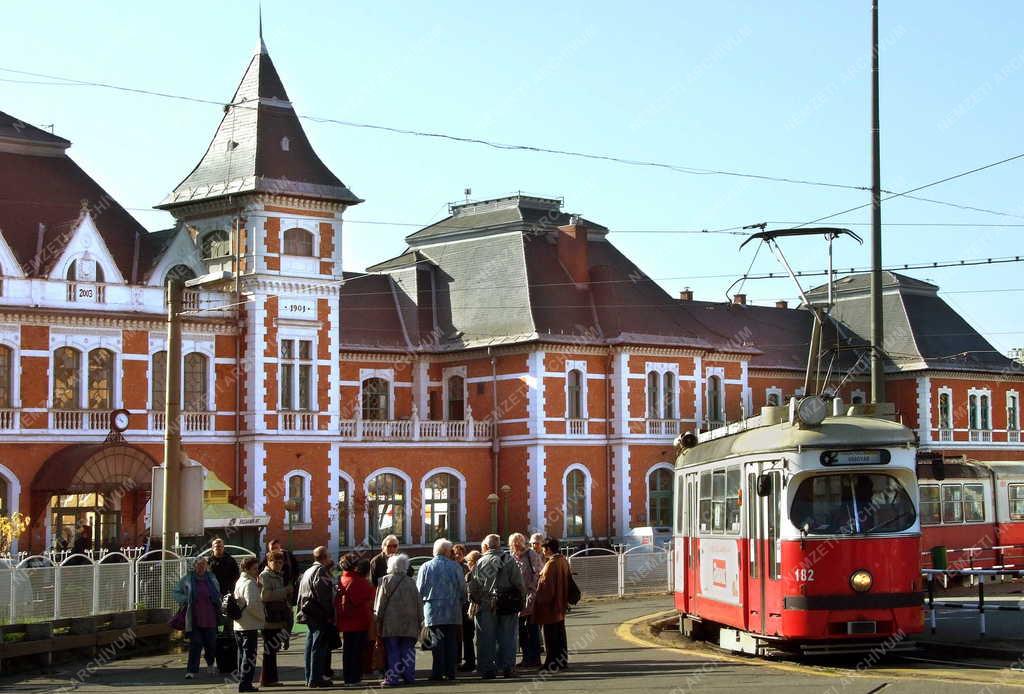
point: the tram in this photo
(798, 531)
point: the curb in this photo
(947, 649)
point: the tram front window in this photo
(852, 504)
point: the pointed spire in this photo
(262, 49)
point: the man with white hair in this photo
(379, 564)
(496, 586)
(443, 589)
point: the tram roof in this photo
(835, 432)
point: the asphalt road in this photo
(607, 657)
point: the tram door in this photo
(762, 549)
(692, 541)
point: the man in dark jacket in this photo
(316, 611)
(224, 567)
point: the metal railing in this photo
(977, 575)
(60, 585)
(980, 557)
(604, 572)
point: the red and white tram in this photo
(798, 531)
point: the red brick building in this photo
(511, 352)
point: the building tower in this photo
(261, 204)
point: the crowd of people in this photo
(473, 610)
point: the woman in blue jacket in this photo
(442, 586)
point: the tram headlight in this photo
(861, 581)
(812, 410)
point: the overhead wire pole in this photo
(172, 415)
(877, 339)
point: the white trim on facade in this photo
(305, 517)
(461, 534)
(588, 487)
(407, 494)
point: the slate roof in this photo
(922, 330)
(247, 153)
(40, 184)
(369, 316)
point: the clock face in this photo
(119, 420)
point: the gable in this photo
(86, 242)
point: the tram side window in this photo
(680, 505)
(1016, 498)
(930, 511)
(950, 504)
(720, 501)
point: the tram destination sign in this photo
(878, 456)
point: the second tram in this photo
(798, 530)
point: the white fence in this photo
(604, 573)
(57, 586)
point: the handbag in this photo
(574, 591)
(177, 622)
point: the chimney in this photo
(686, 295)
(572, 250)
(781, 303)
(740, 299)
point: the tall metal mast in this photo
(877, 369)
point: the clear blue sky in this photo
(780, 89)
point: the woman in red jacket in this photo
(353, 608)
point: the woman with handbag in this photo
(399, 611)
(276, 593)
(353, 608)
(198, 593)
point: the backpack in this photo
(229, 608)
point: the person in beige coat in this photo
(247, 626)
(399, 612)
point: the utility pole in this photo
(172, 415)
(877, 367)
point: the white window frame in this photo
(462, 502)
(581, 366)
(662, 368)
(350, 521)
(776, 391)
(979, 393)
(407, 531)
(446, 374)
(306, 225)
(1016, 423)
(647, 488)
(389, 376)
(297, 337)
(588, 500)
(720, 373)
(14, 492)
(306, 516)
(944, 390)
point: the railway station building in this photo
(511, 367)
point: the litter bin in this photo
(939, 558)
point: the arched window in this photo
(574, 395)
(456, 398)
(101, 379)
(376, 399)
(196, 382)
(441, 507)
(653, 396)
(1012, 412)
(659, 494)
(216, 245)
(298, 242)
(298, 495)
(972, 402)
(6, 396)
(159, 380)
(182, 273)
(5, 491)
(715, 414)
(344, 512)
(67, 378)
(86, 271)
(575, 504)
(385, 502)
(857, 400)
(984, 414)
(669, 411)
(945, 411)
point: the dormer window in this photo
(85, 270)
(298, 242)
(216, 245)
